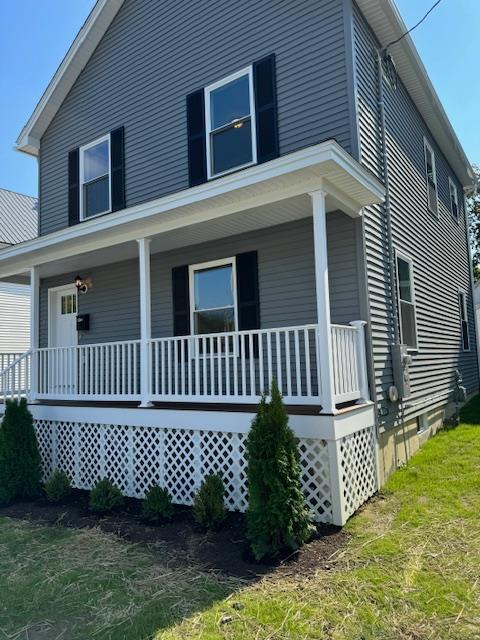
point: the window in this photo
(213, 297)
(431, 178)
(422, 423)
(453, 198)
(406, 298)
(230, 124)
(95, 188)
(68, 304)
(462, 301)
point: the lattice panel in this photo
(135, 458)
(316, 477)
(224, 453)
(358, 468)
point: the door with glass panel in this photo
(59, 368)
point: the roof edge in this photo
(77, 56)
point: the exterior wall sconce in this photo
(83, 284)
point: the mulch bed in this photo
(181, 541)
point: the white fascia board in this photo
(67, 73)
(127, 224)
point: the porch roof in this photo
(208, 211)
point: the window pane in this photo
(404, 284)
(215, 321)
(407, 312)
(232, 147)
(229, 102)
(95, 161)
(465, 336)
(96, 198)
(213, 287)
(429, 162)
(461, 301)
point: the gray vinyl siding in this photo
(155, 53)
(437, 245)
(286, 281)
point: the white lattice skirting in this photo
(136, 457)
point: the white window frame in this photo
(208, 122)
(427, 145)
(82, 150)
(462, 303)
(451, 184)
(405, 258)
(191, 278)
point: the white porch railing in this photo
(6, 359)
(95, 372)
(237, 366)
(15, 378)
(232, 367)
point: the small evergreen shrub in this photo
(208, 506)
(157, 504)
(58, 487)
(277, 517)
(105, 496)
(20, 462)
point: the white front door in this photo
(62, 333)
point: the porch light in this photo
(237, 124)
(83, 284)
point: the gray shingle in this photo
(18, 217)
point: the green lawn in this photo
(411, 570)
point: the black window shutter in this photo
(117, 161)
(181, 301)
(197, 155)
(73, 187)
(247, 291)
(264, 82)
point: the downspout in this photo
(387, 205)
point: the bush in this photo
(20, 463)
(105, 496)
(58, 487)
(208, 507)
(277, 517)
(157, 504)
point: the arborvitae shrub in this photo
(208, 506)
(157, 504)
(59, 487)
(105, 496)
(20, 463)
(277, 517)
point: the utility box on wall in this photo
(401, 361)
(83, 322)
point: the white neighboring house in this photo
(18, 223)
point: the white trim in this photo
(247, 71)
(62, 287)
(406, 258)
(462, 300)
(145, 318)
(427, 145)
(81, 177)
(243, 188)
(211, 264)
(451, 184)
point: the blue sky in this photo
(35, 35)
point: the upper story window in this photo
(95, 183)
(431, 175)
(462, 302)
(452, 187)
(213, 305)
(406, 302)
(230, 123)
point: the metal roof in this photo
(18, 217)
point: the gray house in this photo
(230, 198)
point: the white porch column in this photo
(145, 319)
(324, 335)
(34, 331)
